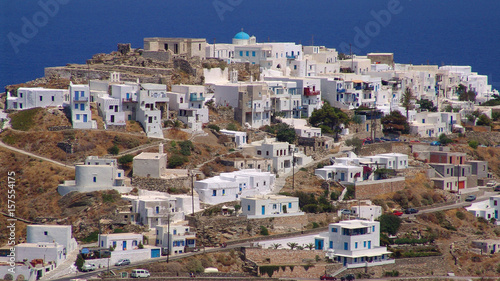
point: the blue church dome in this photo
(242, 35)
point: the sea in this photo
(35, 34)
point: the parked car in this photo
(435, 143)
(414, 141)
(139, 273)
(89, 267)
(397, 213)
(411, 211)
(385, 139)
(395, 139)
(497, 188)
(123, 262)
(491, 184)
(470, 198)
(348, 277)
(346, 212)
(379, 140)
(367, 141)
(327, 277)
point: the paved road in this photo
(486, 196)
(35, 156)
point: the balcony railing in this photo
(308, 92)
(194, 97)
(127, 100)
(81, 99)
(267, 108)
(291, 57)
(369, 88)
(340, 91)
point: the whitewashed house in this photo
(189, 102)
(354, 243)
(125, 245)
(286, 100)
(154, 208)
(282, 154)
(433, 124)
(179, 240)
(150, 164)
(240, 138)
(251, 102)
(488, 209)
(268, 206)
(111, 110)
(232, 186)
(127, 93)
(301, 128)
(61, 234)
(95, 174)
(345, 173)
(81, 115)
(152, 107)
(38, 97)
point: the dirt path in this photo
(34, 155)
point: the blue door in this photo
(346, 246)
(84, 117)
(76, 95)
(318, 244)
(263, 210)
(345, 261)
(496, 214)
(128, 96)
(369, 244)
(124, 245)
(342, 177)
(155, 253)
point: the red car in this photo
(397, 213)
(326, 277)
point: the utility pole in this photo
(168, 237)
(192, 193)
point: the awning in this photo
(357, 81)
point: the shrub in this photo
(126, 159)
(186, 147)
(232, 127)
(460, 215)
(263, 230)
(92, 237)
(194, 265)
(114, 150)
(473, 144)
(176, 161)
(315, 224)
(214, 127)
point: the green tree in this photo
(473, 144)
(427, 105)
(464, 94)
(328, 116)
(406, 100)
(186, 147)
(395, 122)
(356, 143)
(484, 120)
(263, 230)
(283, 132)
(389, 223)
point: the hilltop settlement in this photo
(251, 160)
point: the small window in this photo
(248, 207)
(334, 229)
(41, 98)
(241, 53)
(94, 179)
(289, 205)
(247, 53)
(76, 106)
(53, 98)
(253, 53)
(214, 192)
(45, 233)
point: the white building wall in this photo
(38, 97)
(60, 234)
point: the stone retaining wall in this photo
(281, 256)
(371, 190)
(162, 185)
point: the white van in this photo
(139, 273)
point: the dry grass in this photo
(36, 186)
(86, 143)
(175, 134)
